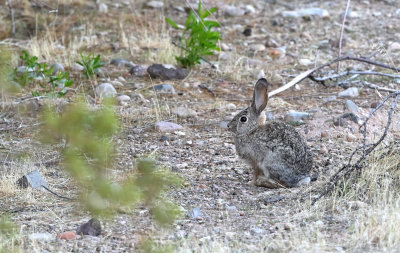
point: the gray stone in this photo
(139, 70)
(164, 88)
(92, 227)
(306, 12)
(351, 106)
(77, 67)
(195, 214)
(165, 126)
(33, 179)
(233, 11)
(57, 67)
(167, 72)
(184, 112)
(349, 92)
(273, 198)
(105, 90)
(121, 62)
(231, 208)
(257, 47)
(155, 4)
(41, 237)
(297, 116)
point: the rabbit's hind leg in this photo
(268, 182)
(256, 173)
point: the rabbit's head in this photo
(252, 117)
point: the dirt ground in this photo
(236, 217)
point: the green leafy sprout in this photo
(91, 64)
(52, 84)
(198, 37)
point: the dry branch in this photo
(347, 170)
(308, 73)
(341, 32)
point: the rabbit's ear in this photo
(260, 97)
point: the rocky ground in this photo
(221, 212)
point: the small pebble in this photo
(350, 137)
(68, 235)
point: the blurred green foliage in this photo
(89, 153)
(198, 37)
(7, 86)
(8, 234)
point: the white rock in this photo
(395, 46)
(352, 14)
(257, 47)
(41, 237)
(225, 47)
(103, 8)
(105, 90)
(155, 4)
(230, 106)
(350, 92)
(165, 126)
(305, 62)
(123, 99)
(233, 11)
(306, 12)
(250, 9)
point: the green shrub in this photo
(88, 155)
(198, 37)
(91, 64)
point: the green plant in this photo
(34, 72)
(7, 85)
(90, 153)
(198, 37)
(8, 234)
(91, 64)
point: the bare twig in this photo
(309, 72)
(207, 89)
(341, 32)
(56, 194)
(12, 18)
(353, 72)
(348, 169)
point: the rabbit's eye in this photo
(243, 119)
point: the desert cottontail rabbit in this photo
(276, 151)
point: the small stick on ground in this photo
(12, 18)
(341, 33)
